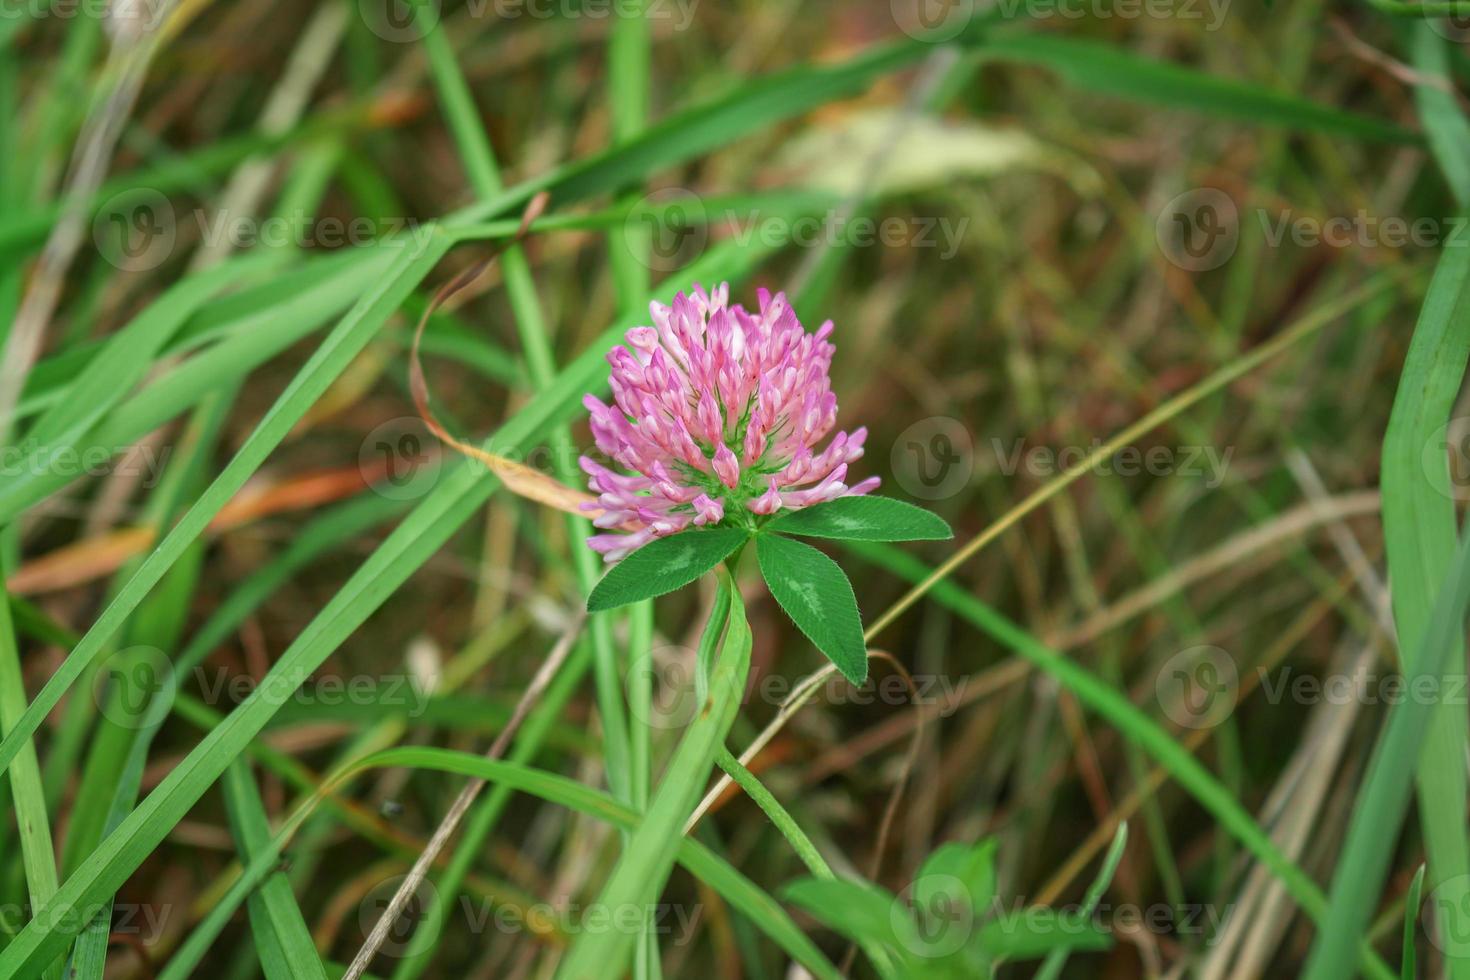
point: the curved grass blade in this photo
(1098, 67)
(1056, 960)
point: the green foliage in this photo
(815, 593)
(663, 565)
(948, 922)
(866, 518)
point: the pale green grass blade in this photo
(639, 876)
(751, 106)
(1446, 127)
(479, 161)
(780, 818)
(184, 171)
(125, 358)
(1383, 798)
(1097, 67)
(1056, 960)
(412, 264)
(281, 934)
(1420, 530)
(38, 853)
(262, 335)
(1408, 969)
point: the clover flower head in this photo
(717, 412)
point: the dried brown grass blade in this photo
(519, 478)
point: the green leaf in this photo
(664, 565)
(864, 519)
(857, 910)
(818, 598)
(957, 872)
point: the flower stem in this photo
(772, 807)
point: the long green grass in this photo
(214, 473)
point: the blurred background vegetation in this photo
(1029, 237)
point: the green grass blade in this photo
(750, 106)
(281, 934)
(261, 333)
(1434, 96)
(779, 817)
(1056, 960)
(1383, 799)
(1419, 528)
(411, 266)
(1097, 67)
(639, 876)
(37, 851)
(1408, 970)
